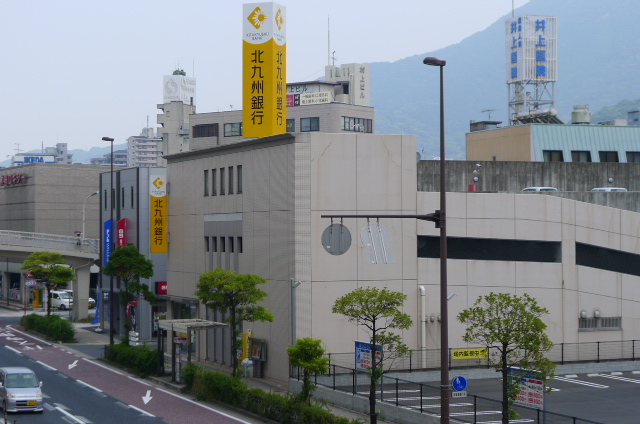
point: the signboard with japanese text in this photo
(470, 353)
(108, 241)
(122, 232)
(531, 49)
(532, 388)
(309, 98)
(264, 63)
(364, 355)
(158, 211)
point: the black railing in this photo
(561, 354)
(424, 398)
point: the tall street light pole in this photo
(444, 312)
(111, 197)
(84, 204)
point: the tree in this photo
(308, 355)
(377, 310)
(236, 295)
(51, 269)
(512, 326)
(128, 264)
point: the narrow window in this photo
(231, 180)
(231, 244)
(214, 182)
(206, 244)
(221, 181)
(132, 201)
(214, 241)
(239, 169)
(122, 197)
(239, 244)
(206, 182)
(105, 200)
(222, 246)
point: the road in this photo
(83, 391)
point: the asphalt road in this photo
(83, 391)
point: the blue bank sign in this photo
(108, 242)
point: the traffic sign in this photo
(458, 394)
(459, 383)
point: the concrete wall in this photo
(503, 144)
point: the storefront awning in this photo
(185, 325)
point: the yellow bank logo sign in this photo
(158, 183)
(257, 18)
(280, 19)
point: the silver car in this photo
(20, 390)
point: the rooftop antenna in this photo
(333, 58)
(488, 111)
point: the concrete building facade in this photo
(144, 150)
(556, 249)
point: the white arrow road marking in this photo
(147, 398)
(73, 364)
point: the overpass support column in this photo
(81, 293)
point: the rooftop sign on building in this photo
(531, 48)
(179, 88)
(264, 60)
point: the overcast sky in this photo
(75, 71)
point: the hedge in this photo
(141, 360)
(53, 327)
(285, 409)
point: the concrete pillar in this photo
(81, 293)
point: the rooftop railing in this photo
(49, 241)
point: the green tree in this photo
(51, 269)
(128, 264)
(308, 354)
(377, 310)
(236, 295)
(511, 327)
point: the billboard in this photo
(264, 62)
(178, 88)
(158, 210)
(108, 241)
(531, 49)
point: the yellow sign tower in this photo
(264, 82)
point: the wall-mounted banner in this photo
(158, 210)
(108, 240)
(122, 232)
(264, 65)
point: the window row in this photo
(585, 156)
(222, 181)
(357, 124)
(306, 124)
(123, 198)
(205, 130)
(223, 244)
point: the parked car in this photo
(540, 189)
(20, 390)
(608, 189)
(61, 299)
(90, 300)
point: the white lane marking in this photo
(29, 335)
(140, 381)
(616, 373)
(89, 386)
(204, 406)
(584, 383)
(46, 366)
(616, 377)
(70, 416)
(15, 350)
(571, 376)
(140, 410)
(102, 366)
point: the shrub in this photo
(52, 327)
(141, 360)
(286, 409)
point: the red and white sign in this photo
(122, 232)
(162, 287)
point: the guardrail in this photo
(49, 241)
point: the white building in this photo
(144, 150)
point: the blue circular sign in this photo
(459, 383)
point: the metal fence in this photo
(562, 353)
(425, 398)
(49, 241)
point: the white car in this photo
(90, 300)
(20, 390)
(61, 300)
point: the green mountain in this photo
(598, 58)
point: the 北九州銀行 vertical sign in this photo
(264, 57)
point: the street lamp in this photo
(111, 196)
(84, 204)
(444, 313)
